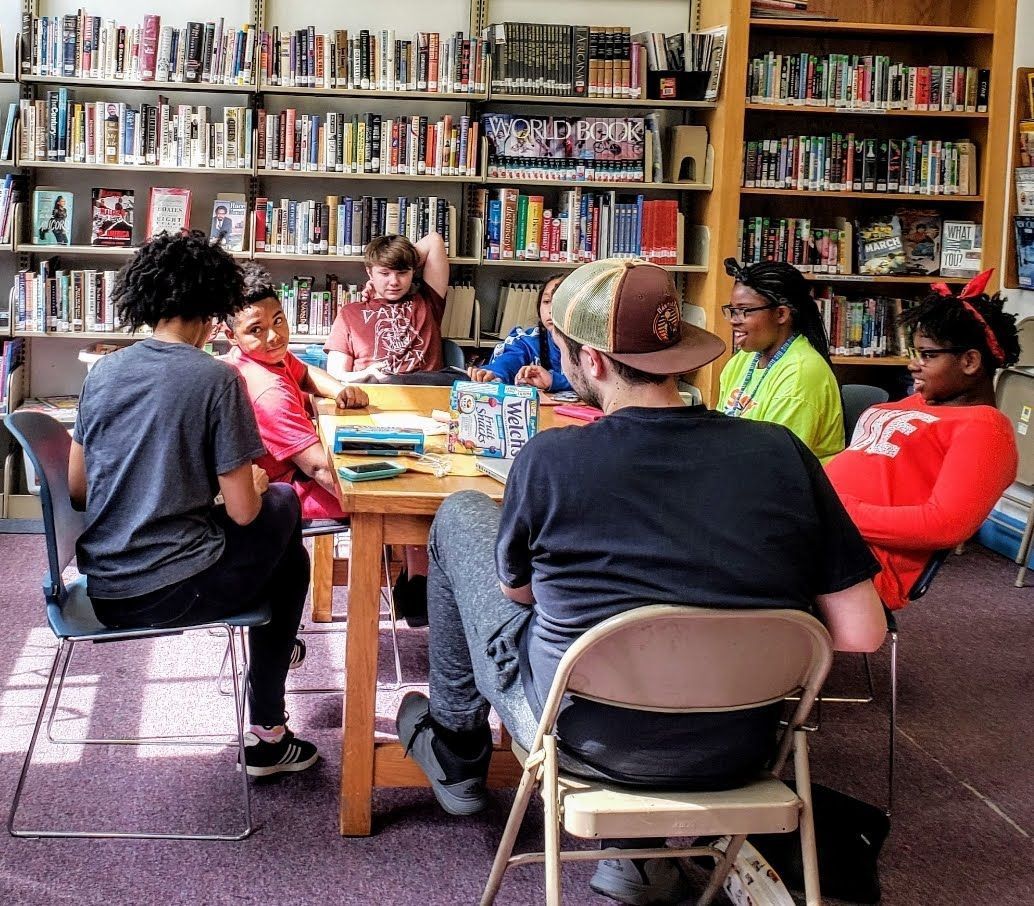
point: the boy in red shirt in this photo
(396, 330)
(278, 385)
(922, 474)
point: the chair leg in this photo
(32, 740)
(809, 855)
(57, 697)
(392, 617)
(893, 717)
(525, 790)
(550, 799)
(1024, 552)
(721, 870)
(238, 708)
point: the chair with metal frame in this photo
(71, 617)
(452, 354)
(681, 660)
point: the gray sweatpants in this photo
(473, 626)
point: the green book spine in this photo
(522, 226)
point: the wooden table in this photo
(389, 511)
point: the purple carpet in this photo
(961, 833)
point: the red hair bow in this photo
(972, 290)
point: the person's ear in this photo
(596, 363)
(971, 362)
(783, 314)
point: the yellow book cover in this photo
(533, 230)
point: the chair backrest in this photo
(857, 398)
(1014, 396)
(933, 566)
(684, 659)
(452, 353)
(47, 444)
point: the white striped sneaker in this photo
(264, 759)
(297, 655)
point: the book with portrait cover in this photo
(921, 238)
(111, 222)
(229, 215)
(52, 216)
(1024, 227)
(169, 211)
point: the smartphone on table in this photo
(368, 471)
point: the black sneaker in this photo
(264, 759)
(410, 597)
(458, 784)
(297, 655)
(642, 882)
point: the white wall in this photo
(1020, 301)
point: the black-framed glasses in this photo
(736, 313)
(931, 354)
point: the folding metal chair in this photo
(72, 619)
(676, 659)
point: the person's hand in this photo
(481, 374)
(351, 398)
(260, 479)
(535, 376)
(371, 373)
(367, 292)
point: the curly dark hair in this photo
(945, 320)
(258, 285)
(181, 275)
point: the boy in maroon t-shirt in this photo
(396, 329)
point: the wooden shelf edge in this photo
(887, 361)
(568, 101)
(883, 278)
(79, 335)
(81, 81)
(136, 168)
(868, 28)
(597, 184)
(893, 196)
(373, 93)
(373, 177)
(863, 111)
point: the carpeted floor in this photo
(961, 833)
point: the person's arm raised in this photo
(854, 617)
(434, 263)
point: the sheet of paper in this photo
(409, 420)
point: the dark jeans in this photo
(444, 378)
(263, 561)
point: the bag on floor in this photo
(849, 834)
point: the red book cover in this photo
(111, 222)
(923, 88)
(169, 211)
(432, 63)
(260, 224)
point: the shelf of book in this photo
(892, 196)
(569, 101)
(884, 278)
(293, 256)
(135, 84)
(137, 168)
(862, 111)
(850, 29)
(101, 251)
(81, 334)
(373, 177)
(896, 361)
(563, 265)
(600, 184)
(373, 93)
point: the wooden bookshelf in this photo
(565, 101)
(271, 173)
(889, 361)
(975, 32)
(135, 84)
(1021, 110)
(374, 93)
(600, 184)
(570, 265)
(125, 169)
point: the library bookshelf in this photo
(1021, 110)
(916, 32)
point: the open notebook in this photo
(498, 469)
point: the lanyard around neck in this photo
(737, 406)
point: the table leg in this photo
(360, 705)
(322, 578)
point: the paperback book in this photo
(1024, 190)
(921, 240)
(880, 247)
(51, 216)
(1024, 251)
(169, 211)
(961, 248)
(111, 223)
(229, 215)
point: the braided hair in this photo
(783, 284)
(544, 356)
(947, 321)
(178, 276)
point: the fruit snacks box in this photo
(492, 419)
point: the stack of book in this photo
(342, 225)
(50, 300)
(682, 51)
(869, 82)
(12, 354)
(114, 133)
(79, 45)
(843, 162)
(555, 148)
(811, 249)
(62, 409)
(564, 60)
(583, 226)
(372, 60)
(367, 143)
(868, 326)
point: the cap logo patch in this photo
(666, 322)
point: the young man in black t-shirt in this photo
(655, 503)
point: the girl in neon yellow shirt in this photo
(781, 372)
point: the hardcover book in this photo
(961, 248)
(111, 222)
(52, 216)
(880, 249)
(169, 211)
(1024, 227)
(1024, 190)
(921, 239)
(229, 216)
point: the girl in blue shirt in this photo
(529, 355)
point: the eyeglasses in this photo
(930, 355)
(732, 313)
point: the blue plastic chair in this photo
(72, 619)
(452, 353)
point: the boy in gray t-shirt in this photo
(162, 429)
